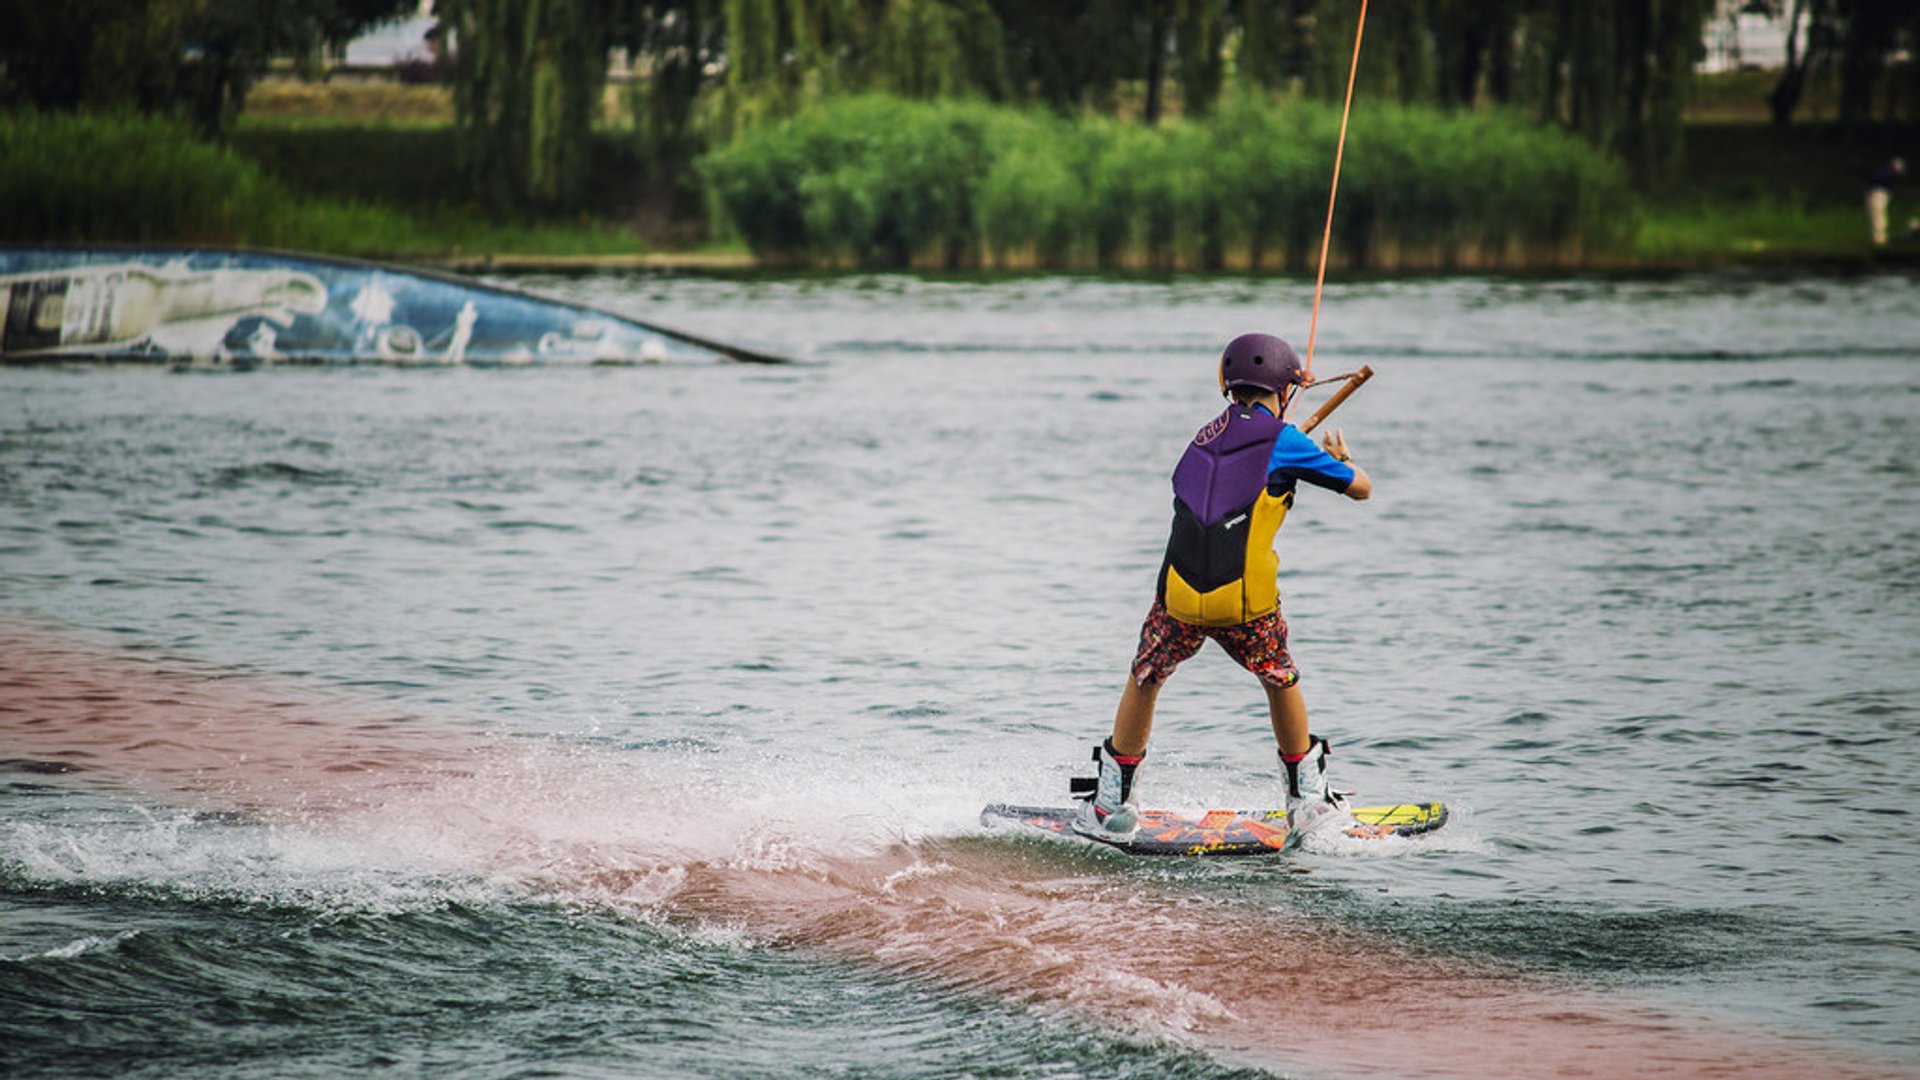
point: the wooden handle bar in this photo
(1354, 382)
(1342, 377)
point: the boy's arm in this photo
(1297, 457)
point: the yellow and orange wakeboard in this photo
(1222, 832)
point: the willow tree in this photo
(1076, 55)
(1876, 32)
(1199, 40)
(1615, 71)
(1073, 55)
(1628, 64)
(1272, 41)
(672, 45)
(1815, 17)
(942, 48)
(782, 54)
(527, 78)
(1474, 43)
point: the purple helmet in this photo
(1260, 360)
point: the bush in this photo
(1271, 173)
(1031, 207)
(870, 179)
(882, 181)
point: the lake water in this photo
(635, 722)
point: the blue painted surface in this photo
(236, 308)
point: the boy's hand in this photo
(1335, 443)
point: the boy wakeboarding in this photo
(1231, 492)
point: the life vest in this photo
(1220, 568)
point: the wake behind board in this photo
(1220, 832)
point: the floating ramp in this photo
(195, 307)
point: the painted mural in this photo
(228, 308)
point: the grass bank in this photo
(1750, 192)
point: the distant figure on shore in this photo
(1879, 194)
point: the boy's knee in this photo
(1279, 682)
(1149, 679)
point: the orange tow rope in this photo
(1340, 149)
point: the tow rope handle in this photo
(1353, 380)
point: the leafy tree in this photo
(193, 56)
(673, 44)
(1873, 30)
(1615, 71)
(527, 80)
(1199, 41)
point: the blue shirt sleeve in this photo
(1297, 457)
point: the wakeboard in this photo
(1221, 832)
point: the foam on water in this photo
(316, 865)
(79, 947)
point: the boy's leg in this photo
(1165, 643)
(1303, 758)
(1289, 708)
(1109, 811)
(1260, 646)
(1133, 722)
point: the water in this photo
(634, 722)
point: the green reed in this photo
(881, 181)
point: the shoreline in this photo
(1896, 258)
(512, 263)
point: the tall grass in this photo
(1752, 230)
(881, 181)
(67, 178)
(125, 178)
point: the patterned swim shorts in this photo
(1259, 646)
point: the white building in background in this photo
(1741, 34)
(402, 40)
(409, 39)
(1747, 34)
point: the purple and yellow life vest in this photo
(1220, 568)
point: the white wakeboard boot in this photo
(1108, 810)
(1309, 797)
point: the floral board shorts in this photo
(1259, 646)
